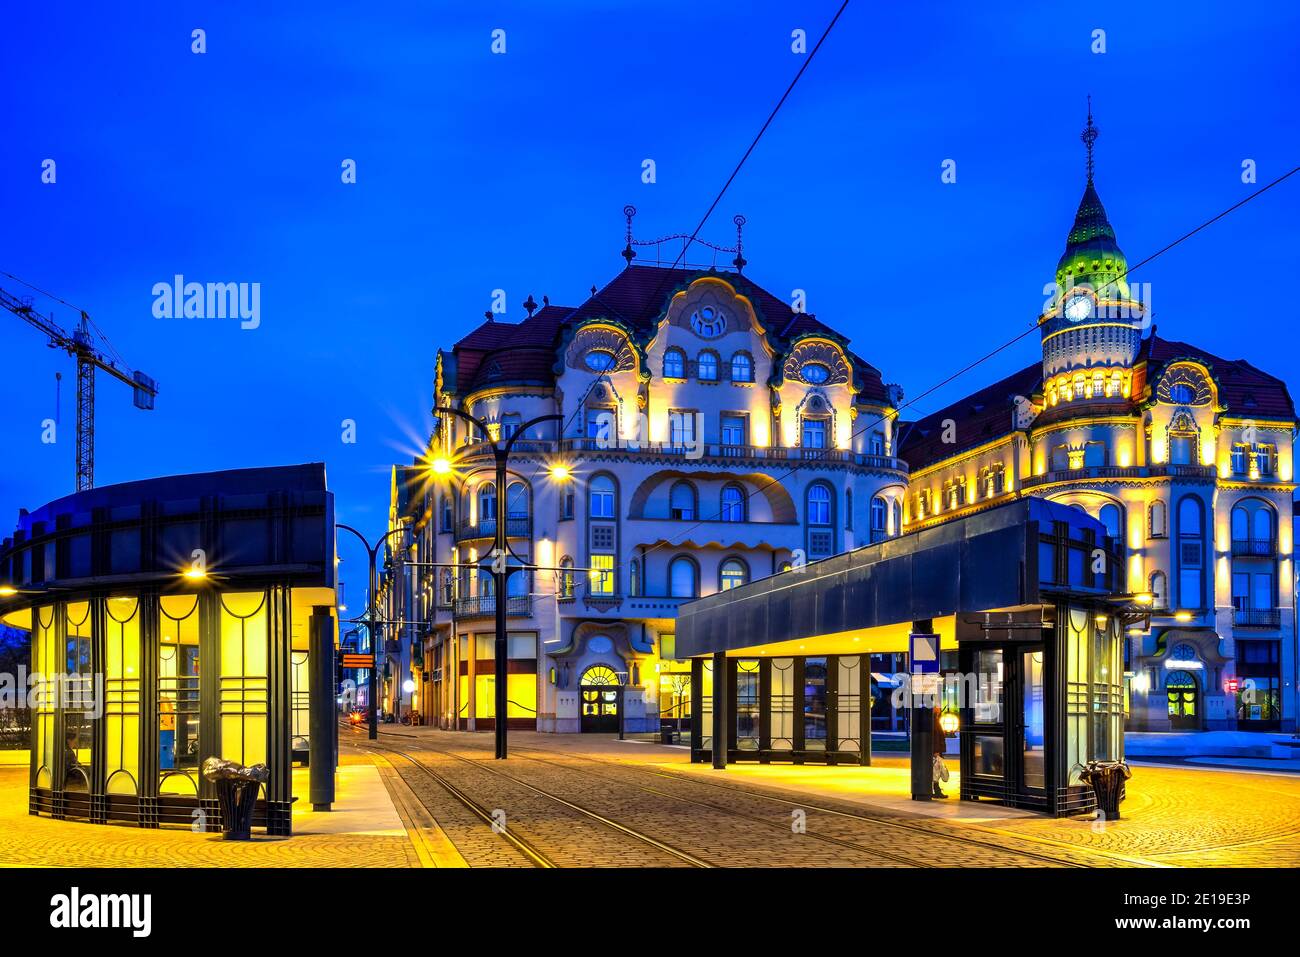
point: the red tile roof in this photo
(1245, 390)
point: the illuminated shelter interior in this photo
(180, 613)
(1028, 595)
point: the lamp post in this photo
(372, 617)
(500, 573)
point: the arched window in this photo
(1262, 525)
(566, 577)
(599, 676)
(1159, 590)
(1111, 517)
(820, 519)
(1252, 528)
(682, 578)
(1159, 522)
(634, 578)
(487, 502)
(681, 501)
(674, 364)
(733, 504)
(897, 528)
(819, 505)
(732, 574)
(1191, 553)
(600, 495)
(707, 366)
(879, 518)
(742, 367)
(1184, 440)
(516, 500)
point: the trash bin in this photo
(668, 735)
(237, 789)
(1106, 778)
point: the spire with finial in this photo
(628, 252)
(530, 305)
(739, 261)
(1089, 137)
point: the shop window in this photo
(178, 695)
(747, 705)
(814, 704)
(242, 682)
(122, 696)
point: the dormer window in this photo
(708, 322)
(598, 360)
(1180, 393)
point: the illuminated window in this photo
(674, 364)
(732, 574)
(122, 695)
(1080, 385)
(566, 577)
(602, 575)
(178, 695)
(600, 676)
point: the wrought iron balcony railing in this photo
(517, 526)
(1257, 617)
(1254, 548)
(485, 606)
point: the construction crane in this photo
(81, 345)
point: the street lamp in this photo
(500, 572)
(372, 615)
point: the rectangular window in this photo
(1239, 459)
(600, 425)
(877, 445)
(1264, 457)
(602, 575)
(509, 425)
(814, 433)
(733, 430)
(566, 504)
(681, 428)
(1240, 590)
(1262, 592)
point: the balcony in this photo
(1254, 548)
(517, 526)
(1120, 472)
(485, 606)
(1257, 617)
(728, 452)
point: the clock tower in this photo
(1093, 327)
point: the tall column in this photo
(922, 722)
(320, 697)
(721, 694)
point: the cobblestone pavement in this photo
(29, 841)
(1175, 816)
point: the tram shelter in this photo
(1029, 595)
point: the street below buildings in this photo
(588, 800)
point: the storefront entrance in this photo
(601, 697)
(1184, 701)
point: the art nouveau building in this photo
(1185, 457)
(686, 396)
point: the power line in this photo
(984, 358)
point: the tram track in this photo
(529, 846)
(610, 771)
(806, 806)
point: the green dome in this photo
(1091, 254)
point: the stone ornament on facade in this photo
(817, 354)
(1198, 388)
(600, 341)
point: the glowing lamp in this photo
(1100, 620)
(1183, 616)
(948, 722)
(441, 465)
(1144, 598)
(1141, 683)
(195, 573)
(408, 686)
(7, 591)
(560, 473)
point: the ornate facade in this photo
(1186, 457)
(711, 435)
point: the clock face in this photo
(708, 322)
(1078, 307)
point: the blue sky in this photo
(479, 171)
